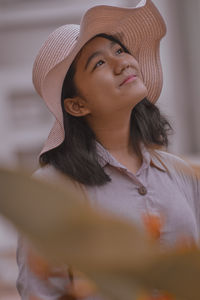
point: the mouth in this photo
(128, 79)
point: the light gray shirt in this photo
(163, 186)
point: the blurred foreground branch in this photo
(119, 257)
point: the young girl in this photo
(101, 80)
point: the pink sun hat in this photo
(140, 29)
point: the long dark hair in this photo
(77, 156)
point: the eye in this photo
(98, 64)
(119, 50)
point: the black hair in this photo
(77, 156)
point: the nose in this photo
(119, 65)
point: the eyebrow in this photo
(97, 53)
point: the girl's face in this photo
(107, 78)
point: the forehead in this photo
(96, 44)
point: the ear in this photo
(76, 107)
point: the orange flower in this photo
(153, 225)
(40, 267)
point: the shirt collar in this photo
(105, 157)
(150, 158)
(157, 162)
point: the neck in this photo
(112, 133)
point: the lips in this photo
(129, 78)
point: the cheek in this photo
(100, 85)
(103, 78)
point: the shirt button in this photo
(142, 190)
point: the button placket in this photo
(142, 190)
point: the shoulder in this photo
(171, 159)
(51, 175)
(175, 164)
(182, 174)
(47, 171)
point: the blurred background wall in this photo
(25, 121)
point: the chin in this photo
(141, 92)
(136, 93)
(135, 99)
